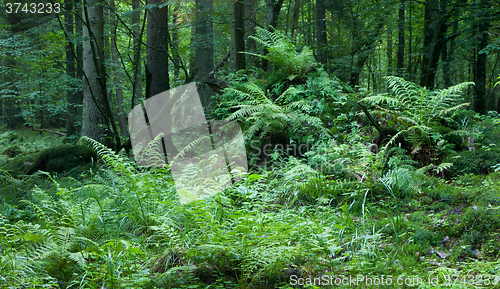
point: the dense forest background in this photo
(54, 65)
(371, 130)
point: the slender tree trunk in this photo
(157, 51)
(295, 21)
(321, 40)
(137, 34)
(401, 38)
(288, 16)
(175, 40)
(79, 59)
(451, 54)
(70, 66)
(446, 65)
(389, 51)
(204, 46)
(251, 46)
(354, 81)
(410, 49)
(363, 50)
(93, 56)
(480, 97)
(116, 78)
(434, 31)
(238, 36)
(204, 55)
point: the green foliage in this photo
(12, 151)
(416, 110)
(118, 162)
(479, 161)
(262, 115)
(477, 225)
(283, 53)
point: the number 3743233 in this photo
(41, 8)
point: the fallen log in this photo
(51, 131)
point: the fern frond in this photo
(383, 98)
(108, 156)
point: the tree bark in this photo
(157, 74)
(70, 66)
(79, 60)
(238, 37)
(94, 81)
(204, 48)
(273, 12)
(251, 45)
(157, 52)
(116, 78)
(175, 41)
(480, 96)
(273, 8)
(137, 34)
(321, 40)
(401, 38)
(295, 21)
(410, 47)
(389, 51)
(446, 65)
(434, 31)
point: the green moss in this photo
(63, 158)
(424, 237)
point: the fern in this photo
(416, 109)
(266, 116)
(283, 53)
(117, 162)
(418, 105)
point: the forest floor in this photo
(98, 225)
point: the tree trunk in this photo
(451, 54)
(273, 12)
(204, 45)
(410, 48)
(389, 51)
(321, 40)
(157, 74)
(273, 8)
(251, 46)
(446, 65)
(295, 21)
(70, 66)
(175, 41)
(137, 34)
(158, 79)
(354, 81)
(401, 38)
(480, 96)
(116, 78)
(79, 60)
(94, 81)
(363, 49)
(434, 30)
(238, 37)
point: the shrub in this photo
(12, 151)
(477, 224)
(479, 161)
